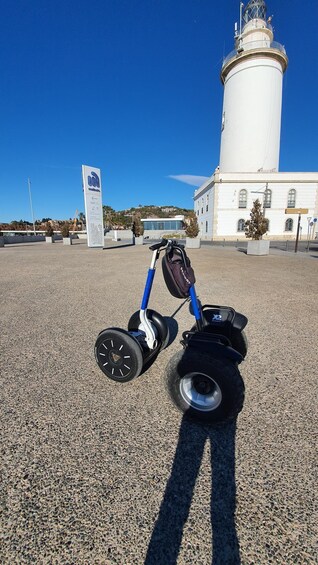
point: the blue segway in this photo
(202, 379)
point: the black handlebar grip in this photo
(161, 243)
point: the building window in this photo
(267, 198)
(207, 203)
(206, 227)
(201, 210)
(243, 198)
(241, 225)
(289, 224)
(163, 225)
(291, 202)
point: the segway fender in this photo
(216, 346)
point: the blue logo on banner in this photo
(93, 182)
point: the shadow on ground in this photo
(166, 537)
(118, 246)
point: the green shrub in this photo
(172, 236)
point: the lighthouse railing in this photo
(259, 44)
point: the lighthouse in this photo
(252, 76)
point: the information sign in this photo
(296, 210)
(93, 206)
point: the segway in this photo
(202, 379)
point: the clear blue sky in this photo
(132, 87)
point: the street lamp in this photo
(263, 192)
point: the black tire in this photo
(158, 322)
(203, 388)
(118, 355)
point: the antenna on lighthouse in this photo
(241, 8)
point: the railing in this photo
(260, 44)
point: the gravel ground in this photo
(99, 472)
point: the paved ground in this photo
(97, 472)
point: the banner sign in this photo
(92, 187)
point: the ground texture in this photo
(99, 472)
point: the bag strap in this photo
(181, 250)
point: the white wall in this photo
(204, 209)
(250, 139)
(229, 213)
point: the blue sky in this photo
(132, 87)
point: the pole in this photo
(241, 6)
(308, 231)
(264, 199)
(297, 236)
(29, 185)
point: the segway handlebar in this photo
(161, 243)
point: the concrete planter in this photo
(139, 240)
(1, 241)
(193, 243)
(49, 239)
(67, 241)
(258, 247)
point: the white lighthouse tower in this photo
(252, 75)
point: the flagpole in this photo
(29, 185)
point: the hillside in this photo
(123, 218)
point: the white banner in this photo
(93, 206)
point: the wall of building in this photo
(204, 209)
(224, 211)
(229, 212)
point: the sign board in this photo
(296, 210)
(93, 206)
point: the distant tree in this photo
(137, 226)
(192, 227)
(49, 231)
(257, 226)
(109, 216)
(65, 229)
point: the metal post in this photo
(241, 6)
(29, 185)
(308, 231)
(297, 236)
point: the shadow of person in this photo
(166, 537)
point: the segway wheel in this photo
(203, 388)
(159, 323)
(118, 355)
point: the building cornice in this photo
(263, 177)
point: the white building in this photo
(252, 75)
(155, 228)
